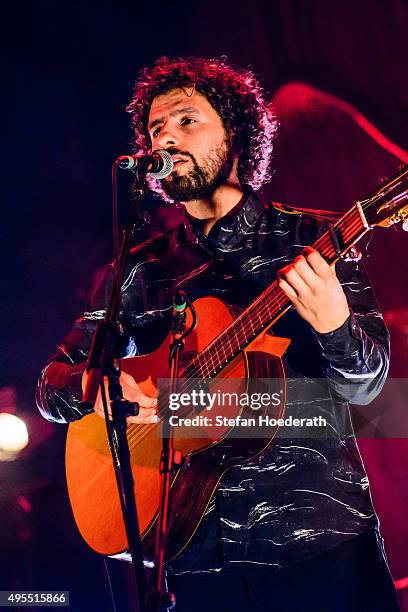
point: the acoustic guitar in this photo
(221, 348)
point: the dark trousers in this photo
(352, 577)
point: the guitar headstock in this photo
(401, 216)
(388, 204)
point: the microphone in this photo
(158, 165)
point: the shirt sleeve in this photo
(356, 356)
(59, 390)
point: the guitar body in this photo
(90, 474)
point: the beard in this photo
(201, 181)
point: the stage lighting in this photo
(13, 436)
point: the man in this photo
(293, 529)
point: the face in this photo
(189, 128)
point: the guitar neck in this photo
(272, 303)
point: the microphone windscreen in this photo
(167, 168)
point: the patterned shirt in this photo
(307, 493)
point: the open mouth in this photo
(178, 162)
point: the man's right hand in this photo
(133, 393)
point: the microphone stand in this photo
(102, 362)
(171, 460)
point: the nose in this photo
(166, 138)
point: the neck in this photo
(218, 205)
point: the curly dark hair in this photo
(235, 94)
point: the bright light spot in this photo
(13, 436)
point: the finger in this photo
(316, 262)
(305, 271)
(134, 393)
(143, 400)
(145, 416)
(138, 420)
(287, 289)
(147, 402)
(146, 412)
(292, 278)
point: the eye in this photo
(156, 132)
(187, 120)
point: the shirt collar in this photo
(230, 230)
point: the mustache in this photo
(174, 151)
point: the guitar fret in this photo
(236, 337)
(252, 324)
(231, 351)
(224, 360)
(212, 368)
(242, 332)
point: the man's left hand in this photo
(315, 291)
